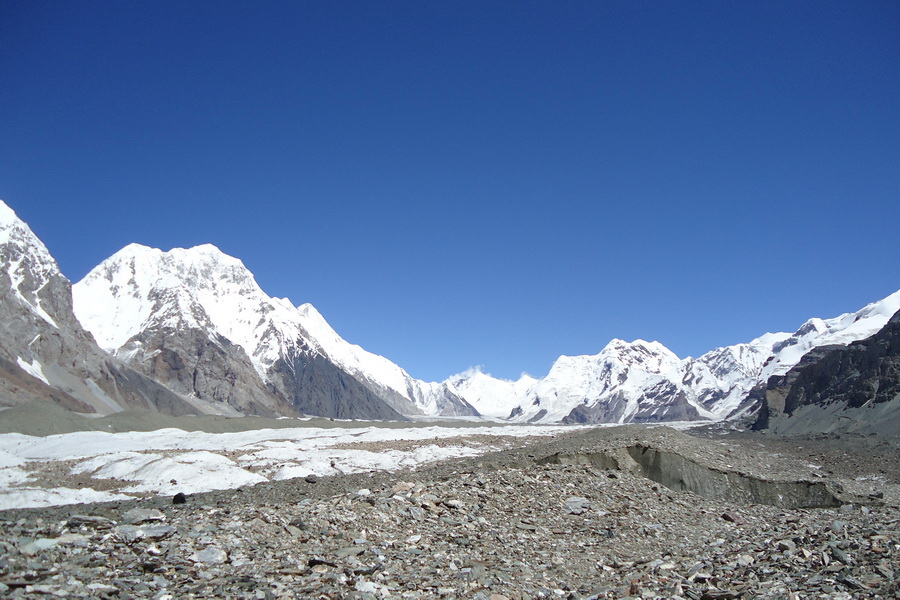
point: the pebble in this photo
(577, 505)
(211, 555)
(142, 515)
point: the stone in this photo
(142, 515)
(577, 505)
(840, 555)
(745, 560)
(211, 555)
(91, 521)
(733, 517)
(786, 546)
(179, 498)
(38, 545)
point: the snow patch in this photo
(196, 461)
(34, 368)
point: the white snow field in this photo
(168, 461)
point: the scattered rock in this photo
(577, 505)
(142, 515)
(211, 555)
(786, 546)
(492, 528)
(732, 517)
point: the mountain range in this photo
(190, 331)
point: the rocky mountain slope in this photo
(839, 388)
(44, 351)
(196, 320)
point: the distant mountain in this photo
(490, 396)
(839, 388)
(645, 382)
(44, 351)
(190, 330)
(196, 320)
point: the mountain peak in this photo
(7, 215)
(30, 267)
(15, 230)
(204, 253)
(620, 349)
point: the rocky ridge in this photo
(510, 525)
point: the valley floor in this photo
(566, 517)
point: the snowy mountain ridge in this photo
(196, 321)
(204, 288)
(645, 381)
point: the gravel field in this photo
(583, 515)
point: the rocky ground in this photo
(569, 518)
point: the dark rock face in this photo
(211, 368)
(317, 386)
(862, 375)
(771, 395)
(208, 367)
(663, 402)
(863, 372)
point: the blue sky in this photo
(475, 183)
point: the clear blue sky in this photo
(475, 183)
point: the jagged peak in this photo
(7, 214)
(619, 347)
(204, 253)
(199, 267)
(14, 229)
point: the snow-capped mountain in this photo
(625, 382)
(195, 321)
(44, 351)
(645, 381)
(152, 308)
